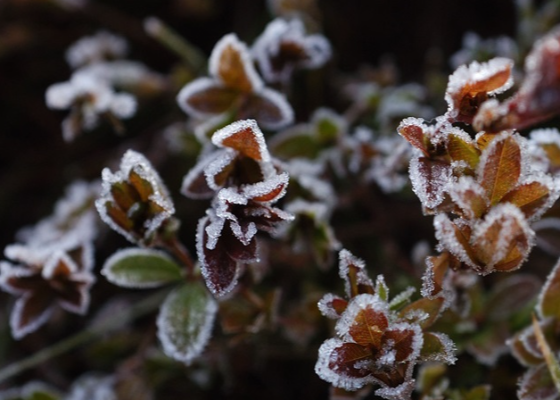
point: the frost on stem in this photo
(243, 181)
(234, 87)
(134, 201)
(284, 47)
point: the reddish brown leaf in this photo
(502, 169)
(212, 100)
(244, 140)
(218, 268)
(368, 327)
(118, 216)
(345, 356)
(403, 342)
(530, 197)
(269, 108)
(233, 63)
(237, 250)
(31, 311)
(415, 135)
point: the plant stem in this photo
(139, 309)
(181, 253)
(192, 56)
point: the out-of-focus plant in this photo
(239, 270)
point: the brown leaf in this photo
(403, 342)
(529, 197)
(231, 63)
(413, 132)
(502, 169)
(432, 308)
(244, 140)
(345, 357)
(124, 195)
(549, 300)
(212, 100)
(269, 108)
(143, 187)
(368, 327)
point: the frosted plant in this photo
(538, 96)
(234, 87)
(284, 47)
(134, 201)
(43, 278)
(378, 341)
(89, 98)
(99, 47)
(244, 182)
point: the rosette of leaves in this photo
(234, 90)
(134, 201)
(243, 182)
(284, 47)
(44, 278)
(483, 190)
(378, 341)
(536, 347)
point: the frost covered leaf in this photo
(503, 240)
(284, 47)
(469, 196)
(469, 86)
(221, 264)
(461, 150)
(141, 268)
(538, 97)
(537, 384)
(353, 271)
(429, 179)
(185, 321)
(424, 311)
(234, 87)
(549, 298)
(134, 201)
(438, 347)
(455, 238)
(45, 278)
(433, 280)
(531, 198)
(413, 130)
(231, 63)
(500, 168)
(332, 306)
(245, 137)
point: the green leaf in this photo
(141, 268)
(185, 321)
(438, 347)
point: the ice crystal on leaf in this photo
(284, 47)
(134, 201)
(43, 278)
(234, 86)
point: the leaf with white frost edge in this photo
(141, 268)
(185, 321)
